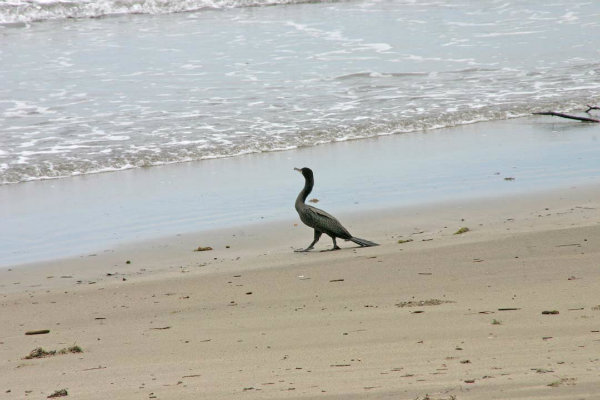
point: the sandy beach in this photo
(507, 310)
(147, 187)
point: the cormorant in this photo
(319, 220)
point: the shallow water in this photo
(92, 213)
(149, 87)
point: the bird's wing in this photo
(327, 223)
(322, 213)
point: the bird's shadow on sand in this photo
(328, 250)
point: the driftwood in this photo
(590, 108)
(569, 116)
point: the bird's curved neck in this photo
(308, 186)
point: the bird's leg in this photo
(335, 246)
(310, 246)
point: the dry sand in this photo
(443, 316)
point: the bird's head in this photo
(306, 172)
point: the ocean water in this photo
(108, 85)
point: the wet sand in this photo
(88, 214)
(438, 316)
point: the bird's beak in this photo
(297, 169)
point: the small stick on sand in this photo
(39, 332)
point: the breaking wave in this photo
(26, 11)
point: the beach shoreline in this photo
(88, 214)
(385, 224)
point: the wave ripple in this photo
(25, 11)
(107, 94)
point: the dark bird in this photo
(319, 220)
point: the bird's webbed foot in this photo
(335, 246)
(312, 245)
(303, 250)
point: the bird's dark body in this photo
(321, 221)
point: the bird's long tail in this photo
(363, 242)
